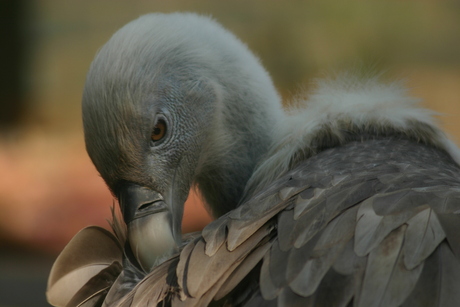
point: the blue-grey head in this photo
(174, 101)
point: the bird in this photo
(348, 197)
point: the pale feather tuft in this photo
(340, 110)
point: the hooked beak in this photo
(149, 221)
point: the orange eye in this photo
(159, 131)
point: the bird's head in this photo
(172, 101)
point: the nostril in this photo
(145, 206)
(150, 207)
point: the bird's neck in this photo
(241, 138)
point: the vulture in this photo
(349, 197)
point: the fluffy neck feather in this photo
(346, 109)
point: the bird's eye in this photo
(159, 131)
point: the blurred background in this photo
(48, 187)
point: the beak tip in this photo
(151, 239)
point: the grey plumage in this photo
(423, 233)
(341, 205)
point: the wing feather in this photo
(278, 265)
(335, 290)
(215, 234)
(380, 266)
(268, 289)
(450, 223)
(95, 290)
(330, 244)
(424, 233)
(239, 230)
(97, 249)
(242, 270)
(289, 298)
(154, 288)
(439, 282)
(308, 199)
(372, 228)
(202, 271)
(348, 261)
(181, 269)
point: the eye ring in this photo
(159, 131)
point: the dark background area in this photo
(48, 186)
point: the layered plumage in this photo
(351, 198)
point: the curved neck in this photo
(242, 134)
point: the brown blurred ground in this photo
(48, 186)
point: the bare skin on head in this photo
(167, 106)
